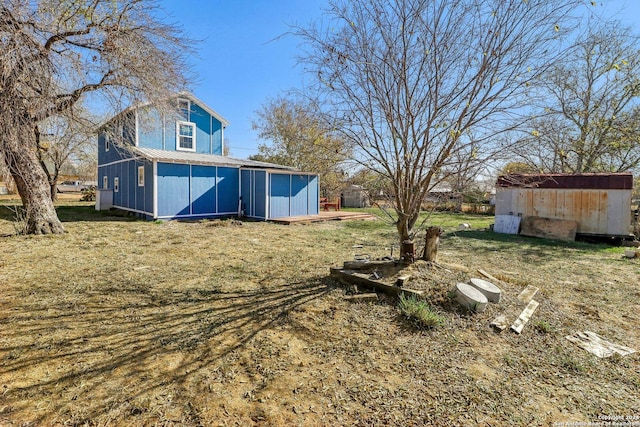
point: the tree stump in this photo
(408, 251)
(432, 240)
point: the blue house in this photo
(167, 163)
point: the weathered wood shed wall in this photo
(354, 196)
(600, 203)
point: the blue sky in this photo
(242, 60)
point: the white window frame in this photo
(187, 108)
(107, 143)
(193, 137)
(140, 176)
(116, 184)
(105, 182)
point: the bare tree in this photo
(5, 177)
(411, 83)
(298, 136)
(62, 139)
(590, 121)
(54, 54)
(464, 172)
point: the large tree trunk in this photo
(18, 148)
(404, 225)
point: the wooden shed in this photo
(275, 193)
(599, 203)
(355, 196)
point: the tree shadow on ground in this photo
(100, 349)
(532, 248)
(11, 211)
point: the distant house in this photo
(168, 164)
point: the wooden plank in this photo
(369, 297)
(324, 216)
(597, 345)
(524, 317)
(528, 293)
(353, 278)
(402, 280)
(549, 228)
(489, 276)
(561, 207)
(368, 265)
(603, 214)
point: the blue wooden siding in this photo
(293, 195)
(148, 187)
(253, 192)
(246, 184)
(140, 191)
(313, 195)
(197, 191)
(299, 195)
(173, 190)
(216, 137)
(279, 192)
(202, 120)
(260, 194)
(206, 191)
(228, 187)
(117, 173)
(129, 129)
(114, 154)
(125, 188)
(151, 129)
(129, 196)
(156, 131)
(203, 190)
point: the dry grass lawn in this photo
(133, 323)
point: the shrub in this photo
(419, 313)
(543, 326)
(89, 194)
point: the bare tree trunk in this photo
(432, 241)
(31, 182)
(51, 180)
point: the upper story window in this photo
(185, 136)
(184, 105)
(107, 143)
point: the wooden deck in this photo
(324, 216)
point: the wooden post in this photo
(432, 240)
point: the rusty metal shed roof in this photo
(604, 181)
